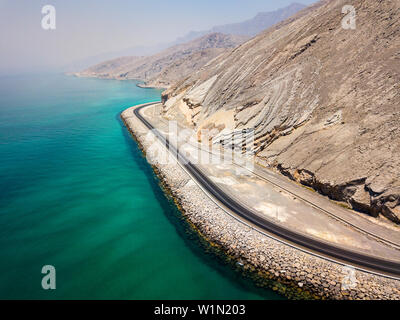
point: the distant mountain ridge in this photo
(251, 27)
(180, 60)
(188, 54)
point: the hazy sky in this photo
(89, 27)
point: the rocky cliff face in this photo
(168, 66)
(324, 101)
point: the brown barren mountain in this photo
(168, 66)
(324, 101)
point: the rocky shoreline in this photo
(144, 85)
(291, 272)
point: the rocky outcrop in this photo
(183, 67)
(323, 101)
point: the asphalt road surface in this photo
(357, 259)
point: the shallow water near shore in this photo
(76, 193)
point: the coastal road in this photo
(358, 259)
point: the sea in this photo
(77, 194)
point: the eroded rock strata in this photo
(323, 101)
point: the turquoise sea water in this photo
(76, 193)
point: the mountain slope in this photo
(189, 55)
(262, 21)
(323, 101)
(182, 59)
